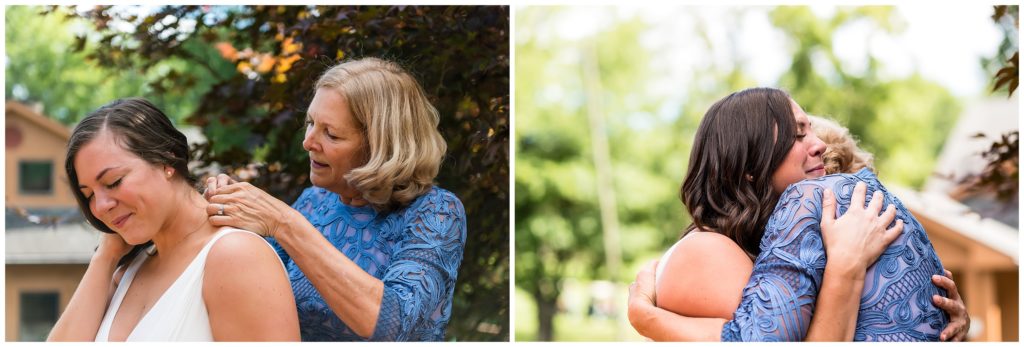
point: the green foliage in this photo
(558, 226)
(41, 68)
(265, 59)
(877, 111)
(1004, 65)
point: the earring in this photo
(168, 173)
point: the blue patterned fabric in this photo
(415, 251)
(779, 300)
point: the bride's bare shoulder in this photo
(703, 276)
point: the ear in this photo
(168, 171)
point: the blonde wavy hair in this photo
(400, 127)
(842, 154)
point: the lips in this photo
(816, 168)
(120, 221)
(317, 165)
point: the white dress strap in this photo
(115, 302)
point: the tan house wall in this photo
(59, 278)
(1008, 287)
(986, 279)
(41, 139)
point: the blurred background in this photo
(608, 100)
(237, 80)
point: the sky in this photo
(944, 43)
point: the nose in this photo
(102, 203)
(817, 147)
(308, 142)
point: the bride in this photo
(161, 271)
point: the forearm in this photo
(353, 295)
(81, 318)
(662, 325)
(835, 317)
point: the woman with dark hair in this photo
(751, 214)
(162, 272)
(373, 248)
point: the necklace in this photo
(151, 251)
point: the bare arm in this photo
(659, 324)
(247, 292)
(415, 287)
(81, 319)
(352, 294)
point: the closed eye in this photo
(115, 184)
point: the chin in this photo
(133, 239)
(319, 181)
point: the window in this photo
(35, 177)
(38, 315)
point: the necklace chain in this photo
(151, 251)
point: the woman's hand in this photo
(959, 321)
(112, 246)
(854, 241)
(213, 183)
(242, 205)
(642, 297)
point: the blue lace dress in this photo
(415, 250)
(779, 300)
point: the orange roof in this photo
(14, 107)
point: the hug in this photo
(753, 265)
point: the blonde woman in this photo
(373, 248)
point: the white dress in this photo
(180, 312)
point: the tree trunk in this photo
(546, 309)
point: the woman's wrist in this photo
(103, 257)
(289, 219)
(643, 318)
(846, 271)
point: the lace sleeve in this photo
(778, 301)
(419, 282)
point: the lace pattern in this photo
(779, 300)
(416, 251)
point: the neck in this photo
(352, 199)
(189, 217)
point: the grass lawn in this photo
(570, 326)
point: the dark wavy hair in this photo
(141, 129)
(739, 144)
